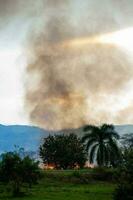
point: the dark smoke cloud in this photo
(8, 7)
(70, 86)
(14, 7)
(59, 99)
(11, 10)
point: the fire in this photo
(47, 166)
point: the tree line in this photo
(100, 145)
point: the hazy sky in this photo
(64, 64)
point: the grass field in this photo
(53, 186)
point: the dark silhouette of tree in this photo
(101, 144)
(63, 151)
(124, 189)
(18, 172)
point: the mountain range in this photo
(27, 137)
(30, 137)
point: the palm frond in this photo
(88, 127)
(114, 146)
(106, 155)
(90, 143)
(88, 136)
(92, 153)
(98, 158)
(109, 131)
(107, 127)
(85, 137)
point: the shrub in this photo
(124, 190)
(18, 172)
(104, 174)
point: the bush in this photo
(124, 190)
(104, 174)
(76, 174)
(17, 172)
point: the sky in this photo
(66, 63)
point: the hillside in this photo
(29, 137)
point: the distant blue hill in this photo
(28, 137)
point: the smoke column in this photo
(69, 83)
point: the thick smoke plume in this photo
(70, 85)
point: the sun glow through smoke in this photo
(122, 38)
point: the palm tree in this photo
(101, 144)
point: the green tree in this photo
(124, 190)
(63, 151)
(17, 171)
(101, 144)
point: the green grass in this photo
(53, 186)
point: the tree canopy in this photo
(124, 189)
(18, 171)
(63, 151)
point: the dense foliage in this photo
(18, 171)
(101, 144)
(124, 189)
(63, 151)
